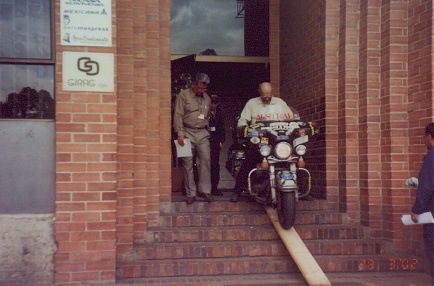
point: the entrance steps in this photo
(225, 238)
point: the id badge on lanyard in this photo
(199, 102)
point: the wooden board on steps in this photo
(299, 252)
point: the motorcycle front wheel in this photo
(286, 209)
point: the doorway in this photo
(234, 80)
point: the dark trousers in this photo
(428, 243)
(215, 165)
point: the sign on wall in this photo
(88, 71)
(86, 23)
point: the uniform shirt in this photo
(188, 108)
(425, 188)
(255, 110)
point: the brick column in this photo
(144, 124)
(331, 83)
(126, 152)
(86, 143)
(420, 98)
(394, 119)
(348, 128)
(369, 117)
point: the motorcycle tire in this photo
(286, 209)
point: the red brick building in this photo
(362, 69)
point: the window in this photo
(200, 27)
(26, 59)
(27, 160)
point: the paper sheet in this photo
(183, 151)
(422, 219)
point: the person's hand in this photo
(412, 182)
(221, 145)
(181, 140)
(414, 217)
(240, 131)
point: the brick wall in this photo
(369, 57)
(394, 119)
(331, 103)
(419, 98)
(350, 68)
(144, 121)
(361, 67)
(85, 183)
(113, 149)
(348, 162)
(86, 146)
(302, 71)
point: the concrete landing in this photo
(336, 279)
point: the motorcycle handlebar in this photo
(311, 129)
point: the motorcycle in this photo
(280, 180)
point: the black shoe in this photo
(190, 200)
(216, 192)
(207, 197)
(235, 197)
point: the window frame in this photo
(39, 62)
(36, 61)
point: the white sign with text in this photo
(88, 71)
(86, 23)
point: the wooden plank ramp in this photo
(299, 252)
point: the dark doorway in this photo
(235, 80)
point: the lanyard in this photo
(199, 100)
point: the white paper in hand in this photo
(183, 151)
(422, 219)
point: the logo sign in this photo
(85, 64)
(88, 72)
(86, 23)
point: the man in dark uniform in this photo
(190, 120)
(216, 140)
(424, 195)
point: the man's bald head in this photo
(266, 92)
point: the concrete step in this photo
(250, 233)
(223, 204)
(225, 238)
(401, 278)
(268, 265)
(156, 251)
(253, 217)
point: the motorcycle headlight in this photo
(300, 150)
(265, 150)
(283, 150)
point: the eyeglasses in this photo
(200, 86)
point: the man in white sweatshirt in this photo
(265, 107)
